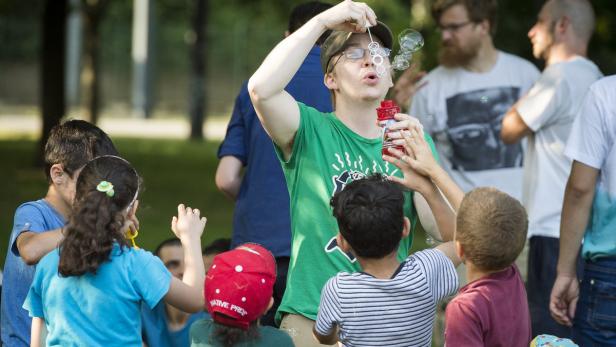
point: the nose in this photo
(531, 32)
(445, 35)
(367, 59)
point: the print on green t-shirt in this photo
(326, 156)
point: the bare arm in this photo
(330, 339)
(514, 128)
(435, 214)
(34, 246)
(38, 324)
(449, 249)
(276, 109)
(579, 195)
(187, 294)
(228, 176)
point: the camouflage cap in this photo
(335, 42)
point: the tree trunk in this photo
(52, 68)
(198, 64)
(90, 75)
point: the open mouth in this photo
(371, 78)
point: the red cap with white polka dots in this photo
(239, 285)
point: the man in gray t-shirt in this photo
(544, 116)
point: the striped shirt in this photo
(388, 312)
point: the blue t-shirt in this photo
(15, 322)
(156, 332)
(101, 309)
(262, 207)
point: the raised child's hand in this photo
(421, 158)
(411, 179)
(188, 223)
(348, 16)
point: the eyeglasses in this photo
(452, 28)
(356, 53)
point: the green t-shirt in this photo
(326, 156)
(201, 336)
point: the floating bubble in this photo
(373, 46)
(410, 40)
(406, 55)
(400, 63)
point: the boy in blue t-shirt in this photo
(165, 325)
(37, 226)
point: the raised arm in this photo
(277, 110)
(424, 163)
(423, 174)
(33, 246)
(187, 294)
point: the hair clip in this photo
(106, 187)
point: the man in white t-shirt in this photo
(544, 117)
(462, 102)
(589, 212)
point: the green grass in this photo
(173, 171)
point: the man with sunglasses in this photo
(322, 152)
(462, 101)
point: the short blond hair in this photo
(491, 228)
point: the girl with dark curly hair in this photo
(89, 291)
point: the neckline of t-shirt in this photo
(575, 59)
(53, 209)
(499, 58)
(494, 276)
(393, 276)
(353, 134)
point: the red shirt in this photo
(491, 311)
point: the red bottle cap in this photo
(387, 109)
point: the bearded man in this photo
(461, 103)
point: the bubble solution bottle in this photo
(385, 118)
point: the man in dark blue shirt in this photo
(262, 200)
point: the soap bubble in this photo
(400, 63)
(410, 40)
(408, 55)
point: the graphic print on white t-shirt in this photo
(473, 126)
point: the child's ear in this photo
(459, 250)
(406, 227)
(57, 174)
(271, 304)
(342, 243)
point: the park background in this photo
(168, 116)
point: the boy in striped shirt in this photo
(389, 303)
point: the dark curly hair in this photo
(370, 215)
(229, 336)
(97, 220)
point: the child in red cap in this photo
(238, 291)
